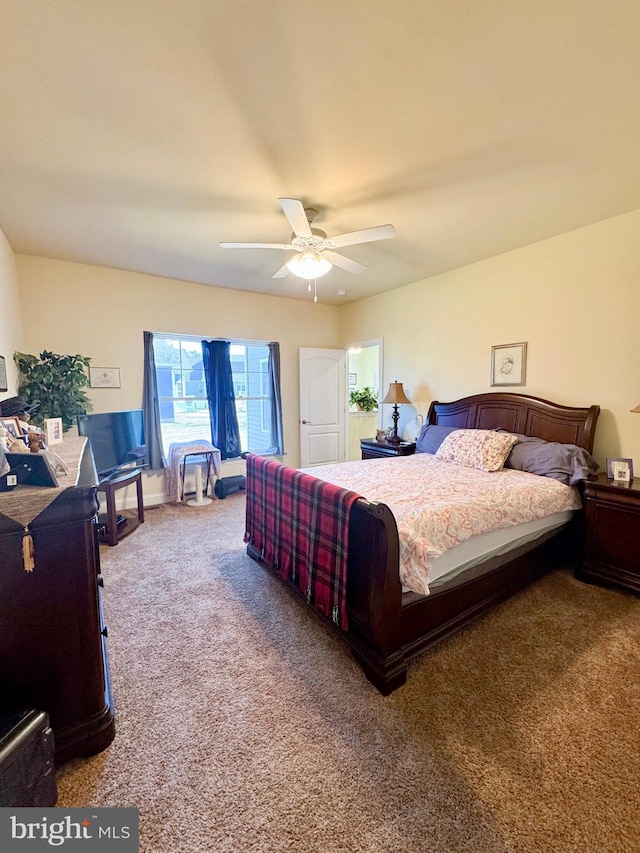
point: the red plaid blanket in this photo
(300, 526)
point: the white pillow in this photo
(477, 448)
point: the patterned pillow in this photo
(477, 448)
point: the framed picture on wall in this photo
(104, 377)
(353, 379)
(508, 364)
(3, 374)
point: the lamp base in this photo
(395, 415)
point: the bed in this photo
(289, 512)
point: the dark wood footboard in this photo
(387, 630)
(374, 596)
(384, 633)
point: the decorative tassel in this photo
(28, 553)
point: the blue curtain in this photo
(151, 406)
(277, 438)
(225, 434)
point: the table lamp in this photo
(396, 395)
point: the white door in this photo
(323, 406)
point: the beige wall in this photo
(10, 320)
(575, 299)
(101, 313)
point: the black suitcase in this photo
(27, 771)
(228, 485)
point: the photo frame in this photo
(620, 469)
(353, 379)
(3, 374)
(53, 430)
(32, 469)
(104, 377)
(509, 364)
(13, 425)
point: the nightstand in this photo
(373, 449)
(612, 540)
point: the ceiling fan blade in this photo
(293, 209)
(342, 262)
(367, 235)
(284, 246)
(282, 272)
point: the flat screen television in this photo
(117, 440)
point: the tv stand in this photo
(118, 526)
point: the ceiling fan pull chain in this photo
(315, 289)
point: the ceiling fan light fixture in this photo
(309, 265)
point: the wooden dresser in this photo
(53, 654)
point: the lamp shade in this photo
(396, 394)
(636, 408)
(309, 265)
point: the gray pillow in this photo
(565, 462)
(431, 437)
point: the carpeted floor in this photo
(243, 723)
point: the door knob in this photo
(305, 422)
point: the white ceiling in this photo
(138, 134)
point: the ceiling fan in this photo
(315, 254)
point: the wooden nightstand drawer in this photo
(614, 538)
(612, 533)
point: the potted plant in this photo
(55, 383)
(364, 398)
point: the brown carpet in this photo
(243, 723)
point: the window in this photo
(182, 392)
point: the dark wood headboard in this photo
(519, 413)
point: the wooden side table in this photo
(612, 540)
(371, 448)
(117, 527)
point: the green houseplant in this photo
(56, 383)
(364, 398)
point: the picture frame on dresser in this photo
(13, 425)
(620, 469)
(53, 428)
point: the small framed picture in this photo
(3, 374)
(620, 469)
(53, 430)
(508, 364)
(104, 377)
(13, 425)
(381, 435)
(353, 379)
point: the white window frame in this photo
(240, 398)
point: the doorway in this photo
(364, 370)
